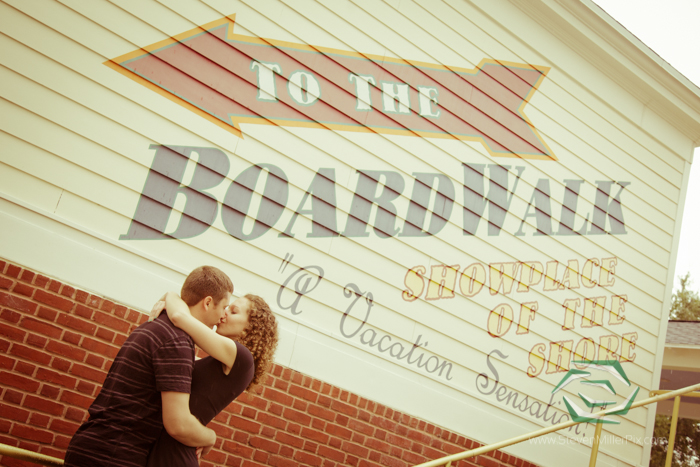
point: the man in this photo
(148, 386)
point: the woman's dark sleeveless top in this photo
(212, 391)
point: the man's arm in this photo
(181, 424)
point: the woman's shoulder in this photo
(244, 358)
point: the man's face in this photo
(218, 311)
(236, 320)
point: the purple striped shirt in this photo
(126, 416)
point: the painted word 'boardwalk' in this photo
(231, 79)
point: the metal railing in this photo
(43, 459)
(29, 456)
(447, 460)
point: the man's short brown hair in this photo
(205, 281)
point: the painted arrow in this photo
(231, 79)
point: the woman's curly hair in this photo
(260, 337)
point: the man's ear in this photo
(207, 302)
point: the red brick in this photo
(43, 405)
(277, 396)
(41, 281)
(392, 462)
(5, 426)
(382, 422)
(47, 313)
(27, 276)
(81, 296)
(133, 316)
(298, 417)
(418, 436)
(101, 348)
(111, 321)
(289, 440)
(359, 451)
(120, 311)
(13, 270)
(86, 372)
(10, 316)
(52, 300)
(105, 334)
(11, 396)
(325, 400)
(300, 405)
(378, 445)
(308, 459)
(86, 388)
(41, 327)
(23, 289)
(34, 434)
(5, 283)
(72, 338)
(54, 286)
(60, 364)
(256, 401)
(338, 431)
(315, 435)
(238, 449)
(330, 453)
(279, 384)
(26, 368)
(62, 441)
(310, 446)
(294, 428)
(249, 412)
(37, 341)
(12, 332)
(49, 391)
(222, 431)
(84, 311)
(76, 323)
(277, 461)
(264, 444)
(67, 291)
(65, 350)
(276, 409)
(94, 360)
(63, 426)
(44, 374)
(52, 452)
(76, 399)
(398, 441)
(76, 414)
(303, 393)
(17, 303)
(270, 420)
(6, 362)
(30, 354)
(245, 424)
(361, 427)
(39, 420)
(14, 413)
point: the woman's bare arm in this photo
(221, 348)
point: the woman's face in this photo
(236, 318)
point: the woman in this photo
(232, 366)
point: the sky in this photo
(670, 28)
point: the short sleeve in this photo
(173, 363)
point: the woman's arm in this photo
(221, 348)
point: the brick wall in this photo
(57, 344)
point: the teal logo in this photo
(611, 367)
